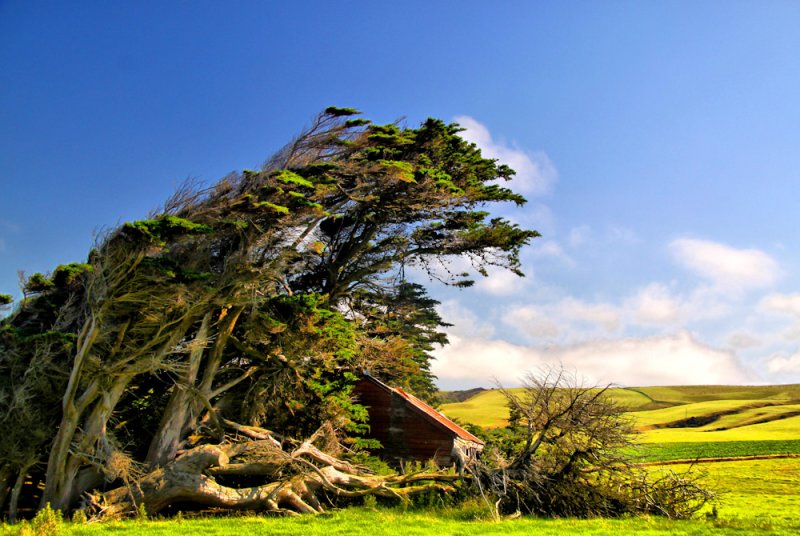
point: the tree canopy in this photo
(234, 320)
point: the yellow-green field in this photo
(754, 430)
(488, 408)
(677, 414)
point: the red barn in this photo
(410, 429)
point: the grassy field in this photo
(664, 452)
(704, 423)
(689, 414)
(361, 521)
(758, 495)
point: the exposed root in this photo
(292, 481)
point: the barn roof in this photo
(427, 411)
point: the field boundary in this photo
(719, 459)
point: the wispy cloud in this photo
(724, 266)
(781, 303)
(536, 173)
(787, 367)
(500, 282)
(654, 304)
(550, 249)
(566, 320)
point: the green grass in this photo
(358, 521)
(655, 406)
(784, 430)
(698, 409)
(651, 452)
(759, 496)
(488, 408)
(688, 394)
(756, 490)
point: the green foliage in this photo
(403, 171)
(288, 177)
(47, 521)
(37, 283)
(335, 111)
(350, 123)
(163, 228)
(272, 206)
(66, 275)
(5, 299)
(79, 517)
(312, 368)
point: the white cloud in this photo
(550, 249)
(726, 267)
(654, 304)
(783, 365)
(464, 321)
(536, 174)
(598, 314)
(500, 282)
(567, 319)
(781, 303)
(743, 341)
(621, 235)
(787, 306)
(531, 321)
(676, 359)
(474, 361)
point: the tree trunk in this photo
(6, 479)
(166, 442)
(62, 466)
(15, 491)
(55, 492)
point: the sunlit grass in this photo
(686, 394)
(757, 496)
(488, 408)
(766, 490)
(685, 411)
(784, 430)
(360, 521)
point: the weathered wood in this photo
(410, 430)
(192, 478)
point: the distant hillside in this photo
(451, 397)
(487, 407)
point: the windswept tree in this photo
(198, 347)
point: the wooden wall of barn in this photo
(404, 433)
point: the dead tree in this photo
(571, 453)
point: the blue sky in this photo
(658, 143)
